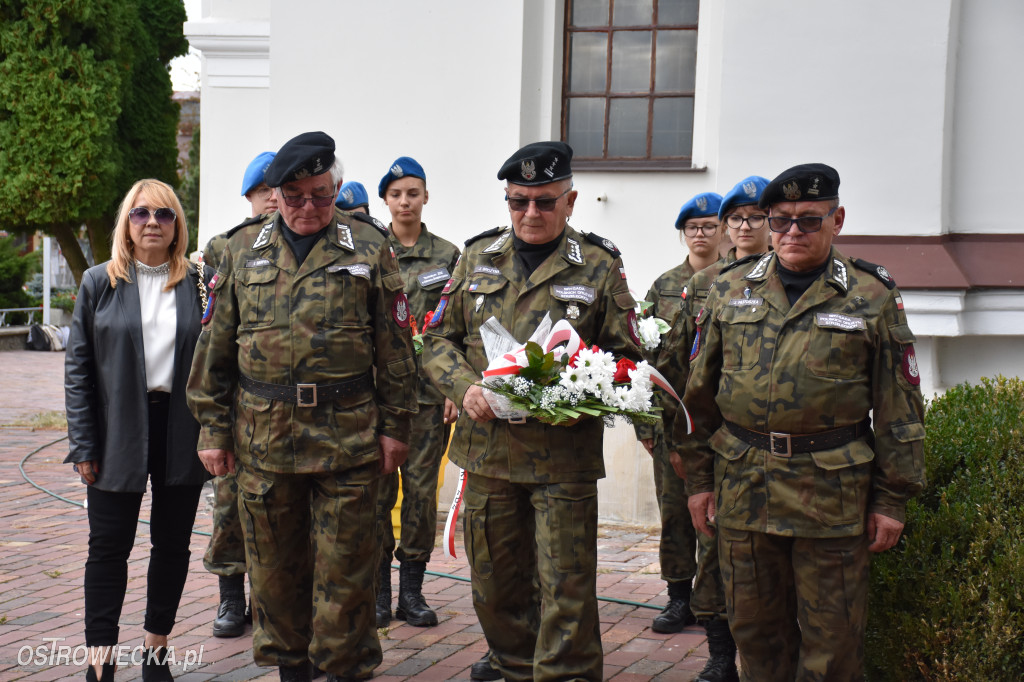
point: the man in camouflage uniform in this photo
(225, 555)
(795, 355)
(305, 373)
(426, 262)
(698, 224)
(531, 493)
(748, 225)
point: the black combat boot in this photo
(721, 665)
(483, 670)
(296, 673)
(676, 615)
(412, 608)
(384, 594)
(230, 621)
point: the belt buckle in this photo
(785, 437)
(305, 395)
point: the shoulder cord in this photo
(201, 285)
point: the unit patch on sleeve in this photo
(400, 310)
(438, 316)
(910, 369)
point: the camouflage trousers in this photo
(797, 606)
(312, 547)
(708, 599)
(419, 489)
(678, 548)
(225, 555)
(533, 554)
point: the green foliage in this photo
(948, 603)
(188, 193)
(85, 111)
(14, 270)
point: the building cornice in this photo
(236, 53)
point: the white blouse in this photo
(159, 325)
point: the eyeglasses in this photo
(754, 222)
(546, 205)
(298, 201)
(263, 192)
(805, 223)
(691, 230)
(140, 215)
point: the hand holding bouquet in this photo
(556, 379)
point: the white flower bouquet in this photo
(555, 378)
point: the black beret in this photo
(806, 182)
(301, 157)
(538, 163)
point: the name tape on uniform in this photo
(357, 269)
(433, 277)
(839, 321)
(573, 292)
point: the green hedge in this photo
(948, 602)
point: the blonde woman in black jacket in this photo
(135, 326)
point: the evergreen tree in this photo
(85, 110)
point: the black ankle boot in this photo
(412, 608)
(676, 615)
(154, 665)
(107, 673)
(384, 594)
(721, 666)
(296, 673)
(483, 670)
(230, 621)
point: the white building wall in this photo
(913, 102)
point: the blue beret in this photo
(255, 170)
(352, 195)
(404, 166)
(701, 206)
(303, 156)
(538, 163)
(806, 182)
(746, 192)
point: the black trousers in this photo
(113, 519)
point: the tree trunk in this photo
(66, 235)
(100, 234)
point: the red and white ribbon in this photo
(453, 515)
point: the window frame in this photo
(631, 163)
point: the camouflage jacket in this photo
(426, 267)
(667, 301)
(584, 282)
(841, 352)
(214, 247)
(340, 315)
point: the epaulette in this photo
(878, 271)
(605, 244)
(244, 223)
(740, 261)
(370, 220)
(494, 231)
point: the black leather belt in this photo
(785, 444)
(307, 395)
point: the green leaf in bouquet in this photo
(663, 326)
(644, 306)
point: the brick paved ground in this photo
(43, 549)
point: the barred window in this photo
(628, 83)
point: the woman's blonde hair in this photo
(123, 251)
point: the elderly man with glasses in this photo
(808, 435)
(304, 383)
(531, 490)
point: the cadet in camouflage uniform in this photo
(305, 373)
(748, 226)
(794, 355)
(225, 555)
(698, 224)
(531, 493)
(426, 262)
